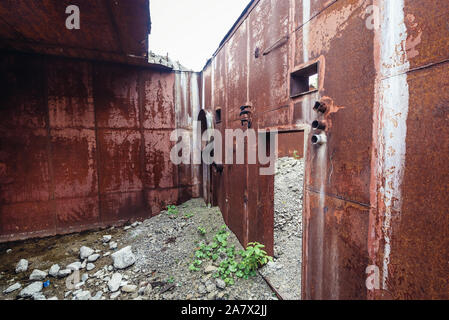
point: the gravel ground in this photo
(284, 273)
(162, 249)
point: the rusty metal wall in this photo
(353, 216)
(84, 144)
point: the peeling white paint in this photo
(394, 103)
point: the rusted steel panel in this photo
(419, 255)
(158, 103)
(122, 206)
(160, 172)
(116, 96)
(80, 147)
(70, 96)
(268, 78)
(22, 91)
(109, 30)
(26, 219)
(427, 32)
(77, 214)
(335, 248)
(119, 165)
(25, 166)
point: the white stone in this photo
(38, 275)
(22, 266)
(38, 296)
(85, 252)
(53, 298)
(93, 257)
(64, 273)
(123, 258)
(13, 288)
(75, 266)
(83, 295)
(129, 288)
(114, 295)
(85, 277)
(90, 266)
(107, 238)
(31, 289)
(113, 245)
(54, 270)
(210, 269)
(114, 283)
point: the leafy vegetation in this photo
(188, 216)
(243, 264)
(296, 155)
(202, 231)
(172, 210)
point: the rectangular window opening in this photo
(218, 116)
(304, 81)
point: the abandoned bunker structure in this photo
(357, 88)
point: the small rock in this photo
(90, 266)
(114, 295)
(220, 284)
(114, 283)
(93, 257)
(75, 266)
(148, 290)
(53, 298)
(83, 295)
(210, 286)
(85, 277)
(202, 289)
(210, 269)
(106, 254)
(9, 251)
(54, 270)
(85, 252)
(12, 288)
(22, 266)
(38, 296)
(106, 238)
(123, 258)
(130, 288)
(127, 228)
(64, 273)
(113, 245)
(38, 275)
(31, 289)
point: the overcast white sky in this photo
(191, 30)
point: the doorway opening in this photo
(284, 273)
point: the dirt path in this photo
(163, 247)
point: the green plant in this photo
(242, 264)
(172, 210)
(171, 279)
(188, 216)
(296, 155)
(253, 257)
(202, 231)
